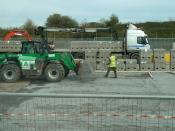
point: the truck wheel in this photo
(10, 73)
(54, 72)
(135, 56)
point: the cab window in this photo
(38, 47)
(142, 40)
(28, 48)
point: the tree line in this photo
(153, 29)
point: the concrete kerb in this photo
(172, 72)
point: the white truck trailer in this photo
(134, 40)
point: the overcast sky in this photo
(16, 12)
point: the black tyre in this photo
(135, 56)
(54, 72)
(10, 73)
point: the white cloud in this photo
(15, 12)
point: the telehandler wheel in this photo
(10, 73)
(54, 72)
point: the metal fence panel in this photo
(161, 43)
(36, 112)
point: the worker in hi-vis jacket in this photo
(112, 65)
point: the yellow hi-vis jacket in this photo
(112, 61)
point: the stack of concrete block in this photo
(146, 61)
(121, 65)
(102, 59)
(10, 47)
(93, 45)
(105, 45)
(159, 60)
(101, 45)
(90, 56)
(90, 45)
(172, 64)
(119, 56)
(103, 55)
(79, 46)
(131, 65)
(115, 46)
(101, 65)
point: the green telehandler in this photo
(34, 58)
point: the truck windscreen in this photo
(142, 40)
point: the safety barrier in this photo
(73, 112)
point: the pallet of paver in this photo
(172, 67)
(103, 55)
(79, 46)
(131, 61)
(147, 67)
(172, 55)
(90, 54)
(101, 65)
(96, 45)
(159, 55)
(161, 66)
(146, 57)
(172, 63)
(121, 65)
(131, 65)
(116, 46)
(146, 61)
(160, 62)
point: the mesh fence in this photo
(36, 112)
(161, 43)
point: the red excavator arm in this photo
(17, 33)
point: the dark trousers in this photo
(111, 69)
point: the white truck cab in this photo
(136, 39)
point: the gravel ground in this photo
(90, 114)
(126, 83)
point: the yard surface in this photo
(89, 114)
(126, 83)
